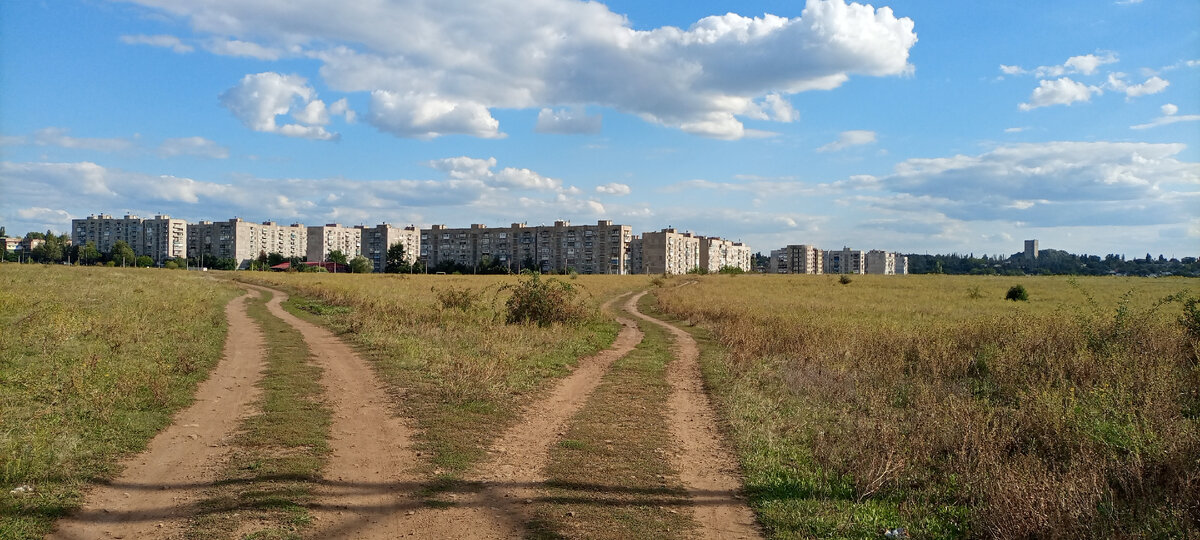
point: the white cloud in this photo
(614, 188)
(1052, 184)
(438, 67)
(165, 41)
(480, 170)
(1153, 85)
(1168, 117)
(1063, 91)
(1015, 129)
(567, 121)
(53, 136)
(1085, 64)
(342, 108)
(426, 117)
(259, 98)
(846, 139)
(44, 215)
(236, 47)
(192, 146)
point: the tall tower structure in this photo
(1031, 249)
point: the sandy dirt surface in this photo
(706, 465)
(368, 485)
(157, 491)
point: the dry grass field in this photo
(933, 404)
(93, 361)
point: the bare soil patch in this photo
(706, 465)
(155, 494)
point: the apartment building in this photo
(717, 253)
(160, 237)
(244, 241)
(11, 243)
(881, 262)
(324, 239)
(378, 239)
(778, 262)
(602, 248)
(669, 252)
(845, 261)
(901, 264)
(805, 259)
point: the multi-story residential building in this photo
(1031, 249)
(845, 261)
(11, 243)
(324, 239)
(602, 248)
(160, 238)
(244, 241)
(778, 262)
(717, 253)
(670, 252)
(881, 262)
(804, 259)
(635, 255)
(378, 239)
(901, 264)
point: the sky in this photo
(913, 126)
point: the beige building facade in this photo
(325, 239)
(805, 259)
(717, 253)
(669, 252)
(845, 261)
(602, 248)
(244, 241)
(160, 237)
(378, 239)
(881, 262)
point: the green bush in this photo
(454, 298)
(1017, 292)
(170, 265)
(844, 279)
(544, 302)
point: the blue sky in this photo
(913, 126)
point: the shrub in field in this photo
(1190, 319)
(544, 302)
(1017, 292)
(455, 298)
(844, 279)
(973, 293)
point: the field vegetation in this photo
(444, 345)
(931, 403)
(93, 361)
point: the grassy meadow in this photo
(933, 404)
(444, 349)
(93, 361)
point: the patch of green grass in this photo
(279, 453)
(610, 477)
(93, 362)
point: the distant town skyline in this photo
(913, 127)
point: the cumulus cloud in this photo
(1063, 91)
(614, 188)
(568, 121)
(846, 139)
(1052, 184)
(457, 59)
(1085, 64)
(1168, 117)
(259, 98)
(466, 186)
(426, 117)
(237, 47)
(1153, 85)
(192, 146)
(164, 41)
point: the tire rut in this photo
(516, 469)
(367, 489)
(706, 465)
(158, 489)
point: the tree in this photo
(122, 254)
(361, 265)
(87, 253)
(275, 259)
(3, 233)
(395, 263)
(336, 256)
(144, 261)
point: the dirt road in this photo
(157, 491)
(705, 464)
